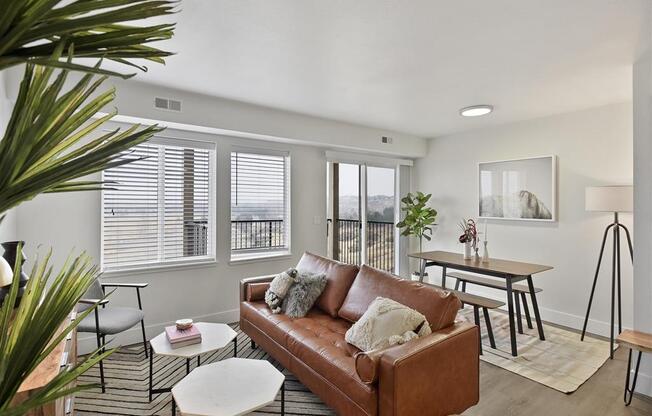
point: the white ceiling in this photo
(407, 66)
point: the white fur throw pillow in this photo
(279, 288)
(386, 322)
(303, 294)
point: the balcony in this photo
(380, 243)
(269, 235)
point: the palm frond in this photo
(27, 332)
(45, 146)
(31, 30)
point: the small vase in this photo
(468, 251)
(476, 256)
(10, 254)
(485, 254)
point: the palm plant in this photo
(46, 148)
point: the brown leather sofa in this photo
(434, 375)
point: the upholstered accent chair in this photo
(110, 320)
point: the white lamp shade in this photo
(610, 198)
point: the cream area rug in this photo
(561, 362)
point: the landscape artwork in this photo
(519, 189)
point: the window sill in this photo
(259, 257)
(199, 264)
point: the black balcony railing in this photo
(257, 234)
(380, 243)
(195, 239)
(348, 243)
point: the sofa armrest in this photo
(435, 375)
(244, 283)
(256, 291)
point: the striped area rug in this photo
(127, 376)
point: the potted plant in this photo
(419, 218)
(469, 238)
(45, 149)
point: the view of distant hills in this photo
(380, 208)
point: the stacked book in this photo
(182, 337)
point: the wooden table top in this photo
(636, 340)
(492, 267)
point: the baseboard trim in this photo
(87, 343)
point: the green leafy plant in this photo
(47, 147)
(29, 333)
(419, 217)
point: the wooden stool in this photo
(479, 302)
(641, 342)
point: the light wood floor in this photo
(503, 393)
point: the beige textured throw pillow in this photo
(386, 322)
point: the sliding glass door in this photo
(361, 214)
(380, 217)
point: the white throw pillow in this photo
(386, 322)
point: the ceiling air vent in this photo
(167, 104)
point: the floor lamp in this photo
(614, 199)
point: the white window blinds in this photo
(260, 220)
(159, 209)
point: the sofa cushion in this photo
(339, 277)
(317, 340)
(438, 306)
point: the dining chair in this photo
(110, 320)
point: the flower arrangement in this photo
(469, 232)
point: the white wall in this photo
(593, 147)
(136, 99)
(70, 223)
(8, 225)
(643, 198)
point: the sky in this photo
(380, 181)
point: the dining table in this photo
(509, 270)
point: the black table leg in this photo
(235, 346)
(535, 306)
(519, 318)
(422, 270)
(283, 398)
(526, 311)
(443, 277)
(476, 319)
(151, 375)
(510, 312)
(174, 407)
(198, 361)
(629, 391)
(187, 365)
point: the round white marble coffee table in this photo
(214, 337)
(231, 387)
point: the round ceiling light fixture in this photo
(476, 110)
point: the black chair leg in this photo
(100, 345)
(457, 284)
(463, 286)
(142, 328)
(519, 319)
(490, 331)
(526, 311)
(253, 345)
(476, 318)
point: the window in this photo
(260, 220)
(159, 209)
